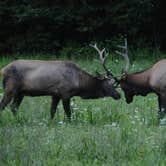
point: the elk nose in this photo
(117, 96)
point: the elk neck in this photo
(140, 82)
(90, 87)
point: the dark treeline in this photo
(47, 25)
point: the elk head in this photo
(108, 86)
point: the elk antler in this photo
(103, 56)
(125, 55)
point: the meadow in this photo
(102, 131)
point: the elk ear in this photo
(99, 76)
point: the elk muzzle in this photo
(129, 98)
(116, 96)
(114, 93)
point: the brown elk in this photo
(144, 82)
(59, 79)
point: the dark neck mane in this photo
(90, 87)
(139, 82)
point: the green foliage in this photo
(46, 26)
(102, 131)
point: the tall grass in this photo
(102, 131)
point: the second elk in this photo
(144, 82)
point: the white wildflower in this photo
(60, 122)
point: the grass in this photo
(102, 131)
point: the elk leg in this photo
(159, 103)
(54, 103)
(9, 91)
(16, 103)
(162, 106)
(66, 106)
(5, 100)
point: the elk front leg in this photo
(66, 106)
(54, 103)
(16, 103)
(162, 106)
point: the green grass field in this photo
(102, 131)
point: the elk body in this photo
(152, 80)
(59, 79)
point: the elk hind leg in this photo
(16, 103)
(6, 100)
(9, 91)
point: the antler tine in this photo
(121, 46)
(97, 49)
(125, 55)
(102, 54)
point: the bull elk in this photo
(59, 79)
(144, 82)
